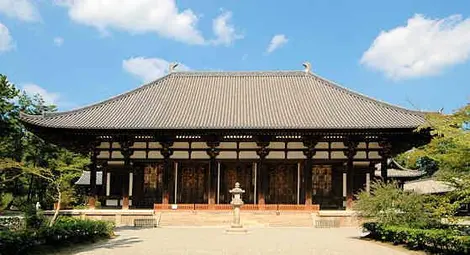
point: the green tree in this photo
(390, 205)
(32, 169)
(450, 145)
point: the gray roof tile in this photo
(235, 100)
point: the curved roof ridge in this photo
(402, 167)
(100, 103)
(368, 98)
(238, 73)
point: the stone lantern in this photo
(236, 203)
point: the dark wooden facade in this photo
(313, 169)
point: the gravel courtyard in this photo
(199, 240)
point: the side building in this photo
(291, 138)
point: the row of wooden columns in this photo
(262, 187)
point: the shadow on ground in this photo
(114, 243)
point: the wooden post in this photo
(350, 152)
(262, 177)
(385, 153)
(166, 152)
(213, 152)
(126, 151)
(310, 143)
(93, 166)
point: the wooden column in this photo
(126, 151)
(385, 153)
(93, 168)
(213, 152)
(350, 152)
(166, 152)
(262, 178)
(308, 165)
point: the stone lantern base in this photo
(236, 230)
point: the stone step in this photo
(224, 219)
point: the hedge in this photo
(442, 241)
(64, 231)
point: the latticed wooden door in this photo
(192, 183)
(282, 184)
(153, 184)
(232, 173)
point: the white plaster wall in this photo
(295, 145)
(103, 154)
(180, 155)
(248, 145)
(116, 154)
(227, 155)
(104, 145)
(276, 145)
(248, 155)
(155, 145)
(337, 155)
(322, 145)
(138, 154)
(180, 145)
(155, 155)
(227, 145)
(199, 155)
(140, 145)
(295, 155)
(199, 145)
(321, 155)
(276, 155)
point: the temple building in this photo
(292, 139)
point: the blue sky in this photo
(76, 52)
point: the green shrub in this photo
(442, 241)
(64, 231)
(390, 205)
(33, 219)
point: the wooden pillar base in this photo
(125, 203)
(166, 199)
(308, 200)
(211, 202)
(349, 203)
(91, 202)
(261, 203)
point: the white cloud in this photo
(58, 41)
(225, 33)
(142, 16)
(49, 97)
(20, 9)
(276, 42)
(137, 16)
(148, 69)
(421, 48)
(6, 41)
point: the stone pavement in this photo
(205, 240)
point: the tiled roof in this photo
(85, 178)
(396, 170)
(428, 186)
(235, 100)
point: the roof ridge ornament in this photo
(308, 67)
(172, 66)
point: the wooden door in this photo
(231, 173)
(192, 183)
(282, 184)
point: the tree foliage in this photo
(32, 169)
(390, 205)
(449, 147)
